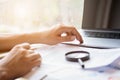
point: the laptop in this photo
(101, 23)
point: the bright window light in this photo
(34, 15)
(21, 11)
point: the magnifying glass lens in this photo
(77, 55)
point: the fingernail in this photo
(81, 41)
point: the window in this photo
(34, 15)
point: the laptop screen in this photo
(101, 14)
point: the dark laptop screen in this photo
(101, 14)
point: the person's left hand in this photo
(54, 35)
(18, 62)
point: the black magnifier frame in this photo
(73, 56)
(85, 58)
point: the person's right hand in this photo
(54, 35)
(19, 61)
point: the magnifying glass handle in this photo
(81, 63)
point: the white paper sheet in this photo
(56, 67)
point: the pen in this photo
(81, 63)
(44, 77)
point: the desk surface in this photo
(55, 67)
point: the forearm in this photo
(36, 37)
(8, 41)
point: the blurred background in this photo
(34, 15)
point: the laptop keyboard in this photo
(103, 35)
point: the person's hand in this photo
(19, 61)
(54, 35)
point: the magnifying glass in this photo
(78, 56)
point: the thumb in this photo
(67, 38)
(25, 45)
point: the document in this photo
(103, 64)
(115, 65)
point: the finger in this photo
(67, 38)
(78, 36)
(36, 62)
(18, 51)
(22, 52)
(64, 29)
(30, 51)
(26, 45)
(71, 31)
(33, 57)
(33, 48)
